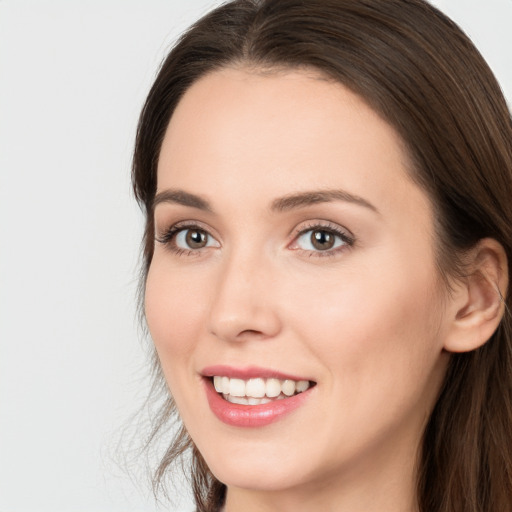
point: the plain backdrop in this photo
(73, 76)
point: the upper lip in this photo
(248, 372)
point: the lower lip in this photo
(239, 415)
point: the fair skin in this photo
(363, 315)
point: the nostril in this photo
(251, 332)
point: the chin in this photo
(264, 465)
(256, 475)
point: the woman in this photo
(327, 193)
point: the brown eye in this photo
(322, 240)
(190, 239)
(196, 238)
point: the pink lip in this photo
(239, 415)
(250, 372)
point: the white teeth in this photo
(225, 385)
(255, 388)
(246, 400)
(236, 387)
(237, 399)
(302, 385)
(288, 387)
(273, 388)
(257, 391)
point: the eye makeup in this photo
(315, 239)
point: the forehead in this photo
(272, 132)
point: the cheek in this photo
(379, 322)
(172, 306)
(375, 334)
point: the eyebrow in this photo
(303, 199)
(282, 204)
(183, 198)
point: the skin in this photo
(366, 321)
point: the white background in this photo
(73, 76)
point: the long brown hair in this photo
(420, 72)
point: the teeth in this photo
(289, 387)
(237, 399)
(225, 385)
(217, 383)
(243, 400)
(221, 384)
(236, 387)
(272, 388)
(257, 391)
(301, 386)
(255, 388)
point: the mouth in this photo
(257, 391)
(253, 397)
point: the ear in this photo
(477, 304)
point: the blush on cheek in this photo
(173, 328)
(385, 314)
(171, 314)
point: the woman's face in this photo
(291, 245)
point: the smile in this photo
(257, 391)
(253, 397)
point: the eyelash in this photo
(327, 227)
(168, 239)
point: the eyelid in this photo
(166, 235)
(323, 225)
(164, 227)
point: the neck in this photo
(388, 498)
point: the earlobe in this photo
(479, 298)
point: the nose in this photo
(243, 306)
